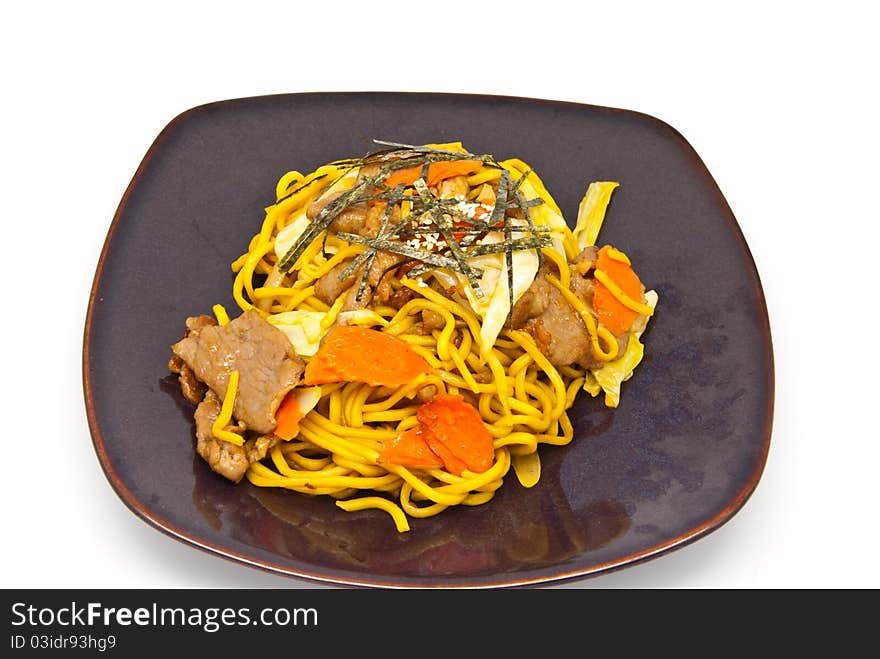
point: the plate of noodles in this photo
(420, 340)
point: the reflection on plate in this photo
(677, 459)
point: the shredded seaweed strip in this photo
(445, 229)
(369, 255)
(394, 247)
(429, 215)
(302, 187)
(474, 231)
(319, 224)
(427, 149)
(524, 206)
(516, 244)
(354, 195)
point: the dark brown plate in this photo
(678, 458)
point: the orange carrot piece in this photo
(403, 176)
(358, 354)
(409, 449)
(437, 171)
(444, 169)
(451, 463)
(455, 431)
(287, 417)
(612, 313)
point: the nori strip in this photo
(426, 149)
(445, 229)
(517, 244)
(439, 212)
(403, 249)
(371, 253)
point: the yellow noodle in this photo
(391, 415)
(363, 503)
(621, 296)
(220, 314)
(561, 264)
(521, 397)
(218, 428)
(528, 344)
(414, 510)
(596, 331)
(304, 462)
(287, 181)
(616, 255)
(315, 303)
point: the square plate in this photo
(677, 459)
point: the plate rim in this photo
(144, 512)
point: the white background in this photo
(778, 99)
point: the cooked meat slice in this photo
(563, 334)
(583, 288)
(192, 389)
(195, 323)
(558, 329)
(379, 288)
(267, 364)
(586, 260)
(329, 287)
(373, 221)
(542, 337)
(432, 320)
(456, 186)
(418, 329)
(533, 302)
(375, 217)
(380, 276)
(351, 301)
(319, 204)
(258, 448)
(223, 457)
(351, 220)
(400, 297)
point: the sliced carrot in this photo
(350, 353)
(612, 313)
(444, 169)
(403, 176)
(293, 409)
(451, 463)
(455, 431)
(437, 171)
(287, 417)
(409, 449)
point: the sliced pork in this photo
(558, 329)
(378, 292)
(223, 457)
(265, 359)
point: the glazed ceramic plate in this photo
(677, 459)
